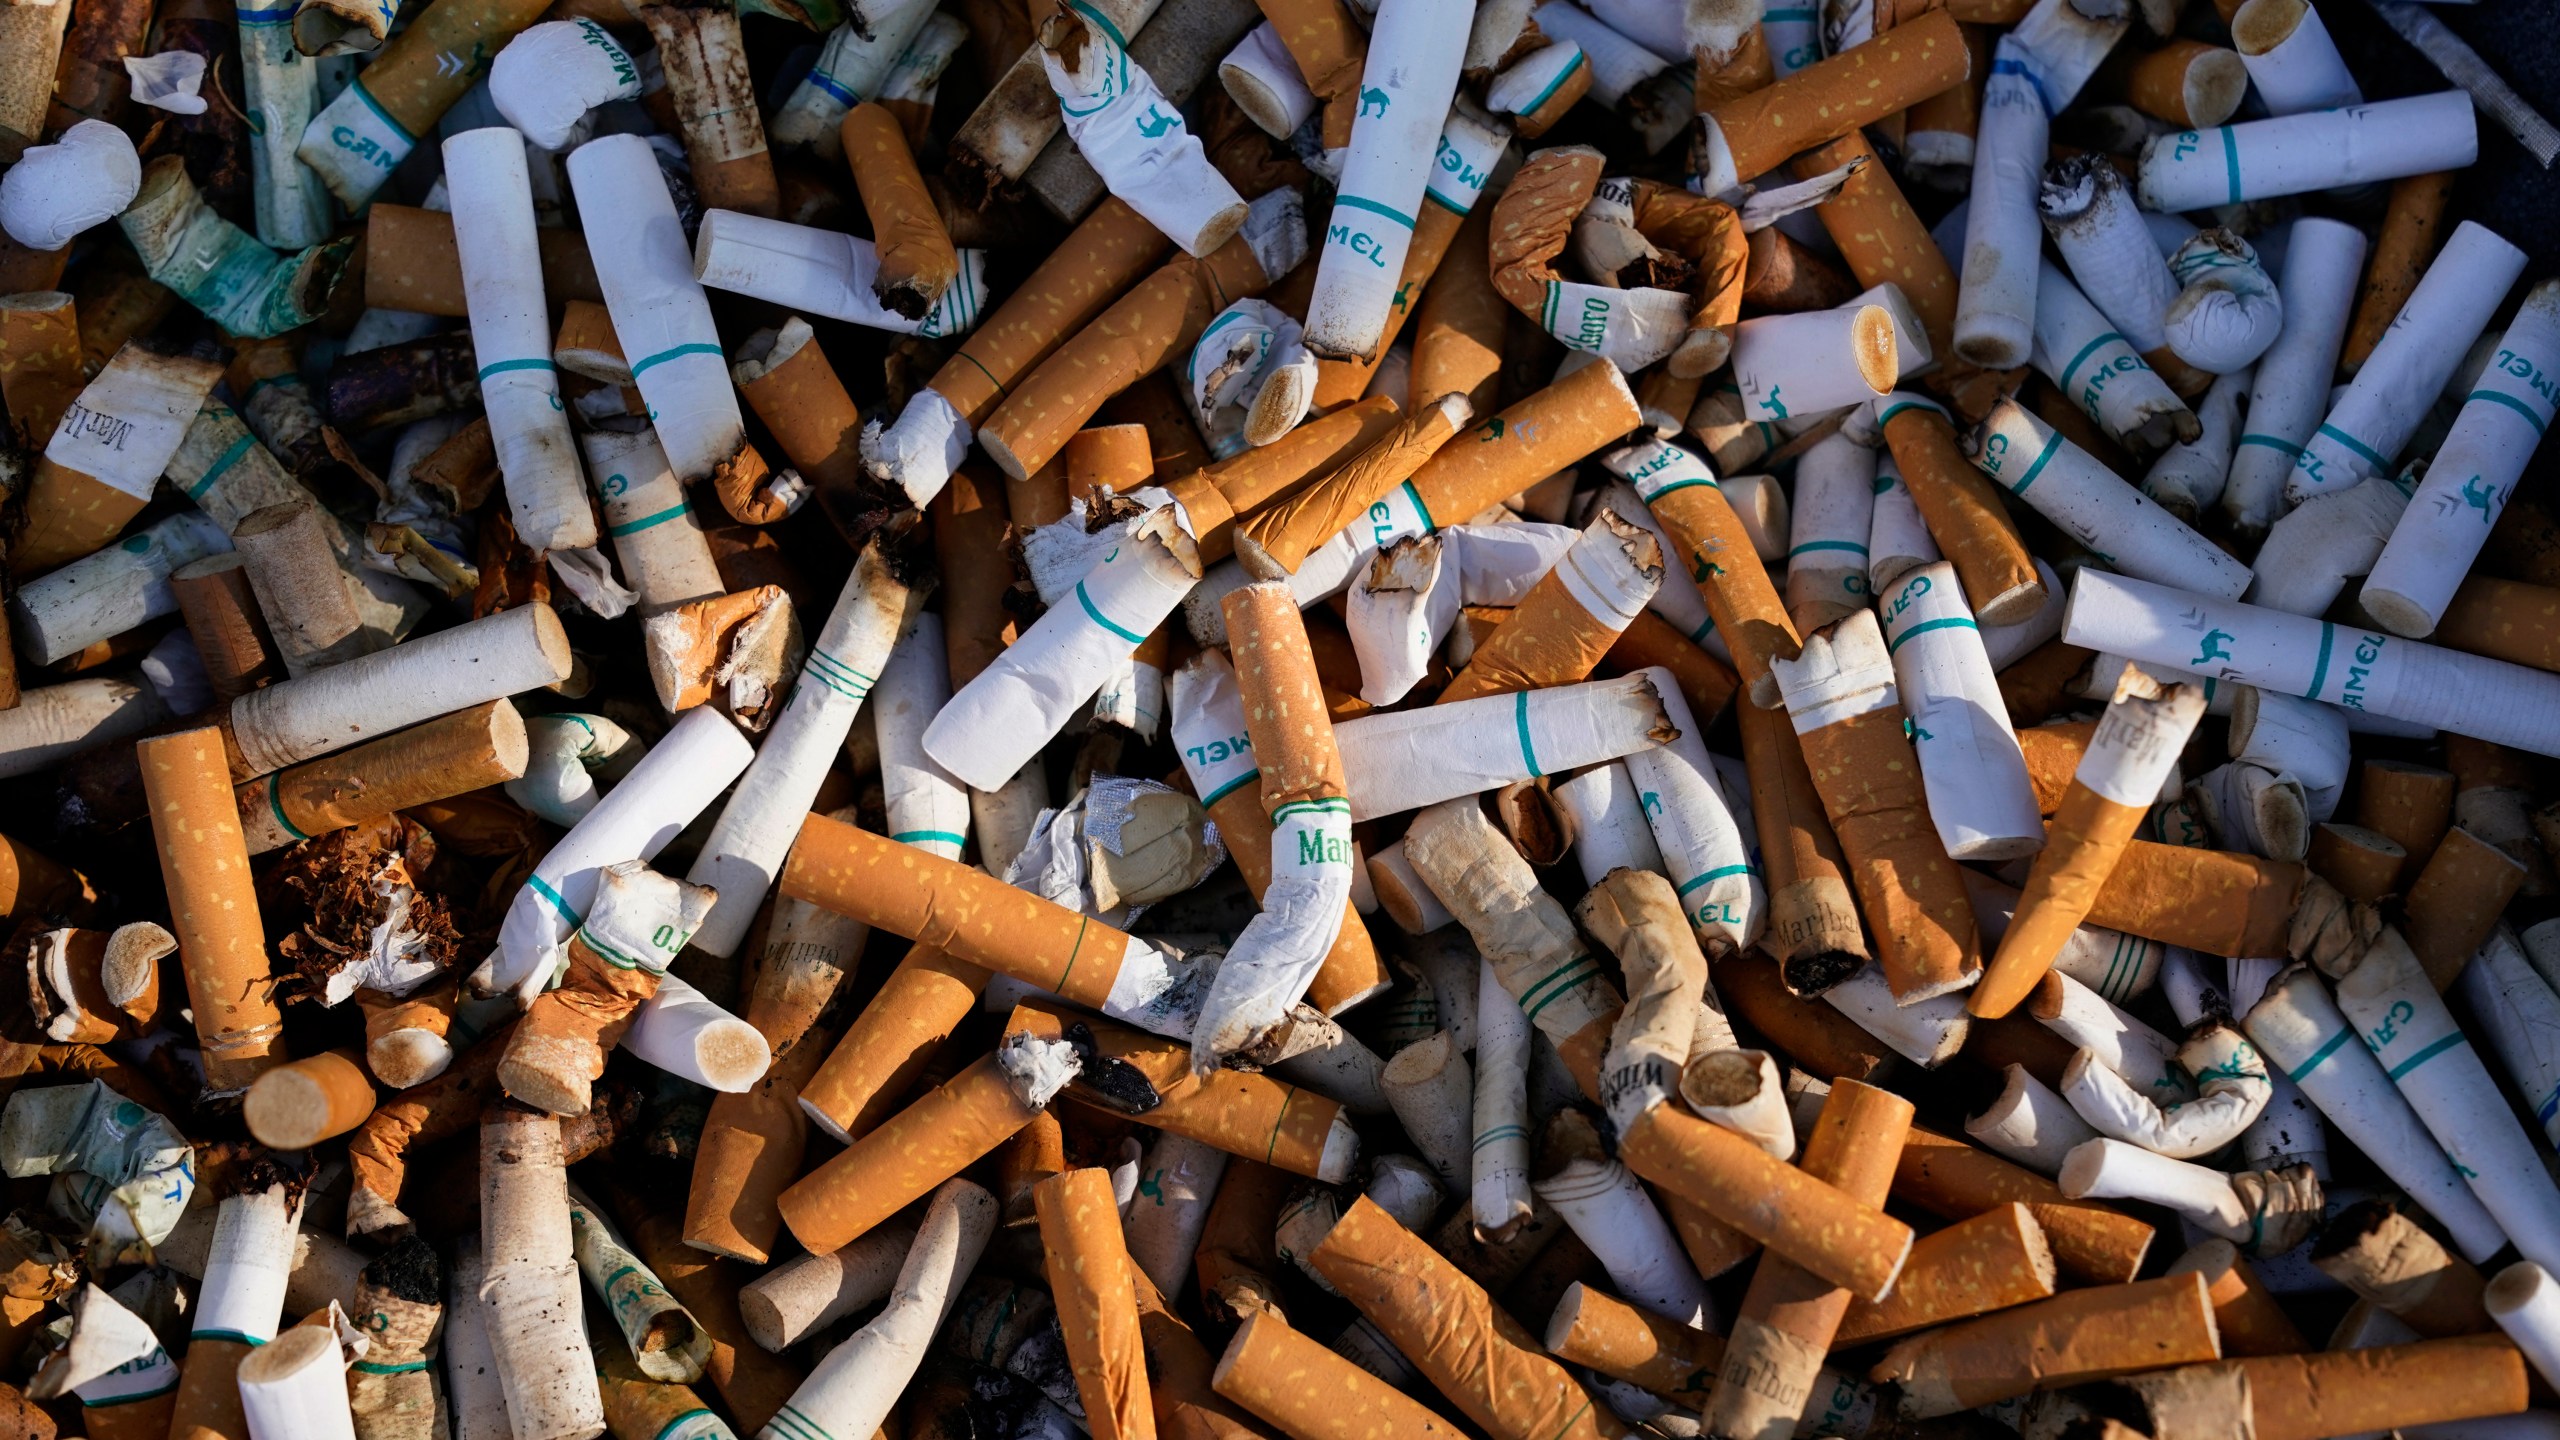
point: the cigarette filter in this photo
(2130, 756)
(1716, 550)
(220, 268)
(795, 1299)
(2526, 1305)
(1747, 137)
(853, 66)
(1490, 742)
(2412, 230)
(109, 592)
(1675, 1361)
(2370, 671)
(1569, 619)
(1814, 931)
(1618, 1221)
(2322, 150)
(360, 137)
(1962, 510)
(2003, 238)
(241, 1302)
(1980, 795)
(1450, 1329)
(2292, 63)
(752, 1383)
(2343, 1392)
(1310, 1393)
(297, 1387)
(1841, 700)
(1410, 75)
(1091, 1278)
(1993, 1261)
(2245, 1314)
(1560, 200)
(2068, 1340)
(296, 1106)
(1815, 1225)
(205, 864)
(40, 371)
(855, 1386)
(104, 458)
(1702, 846)
(126, 1382)
(633, 929)
(1879, 237)
(546, 79)
(1814, 360)
(1829, 525)
(1631, 913)
(912, 1152)
(657, 538)
(2097, 369)
(750, 840)
(1951, 1179)
(1115, 114)
(1773, 1361)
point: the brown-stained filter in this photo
(865, 1079)
(222, 618)
(1310, 1393)
(2075, 1337)
(1997, 1259)
(1092, 1281)
(1964, 514)
(704, 55)
(1814, 931)
(795, 392)
(1284, 705)
(2217, 901)
(1956, 1181)
(213, 909)
(2413, 226)
(1470, 1349)
(1815, 1225)
(1112, 458)
(1706, 682)
(917, 260)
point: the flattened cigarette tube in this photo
(2438, 537)
(2321, 150)
(853, 1389)
(493, 231)
(2370, 671)
(213, 910)
(1841, 700)
(823, 272)
(1408, 759)
(2371, 424)
(471, 664)
(679, 777)
(2094, 506)
(535, 1314)
(2129, 758)
(1411, 75)
(1980, 797)
(749, 841)
(2289, 389)
(1015, 706)
(659, 312)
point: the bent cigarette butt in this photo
(917, 261)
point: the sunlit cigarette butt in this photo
(1881, 239)
(1814, 930)
(1963, 511)
(2382, 1255)
(296, 1106)
(535, 1326)
(2245, 1314)
(793, 1300)
(1996, 1260)
(1310, 1393)
(2321, 150)
(1090, 1275)
(1448, 1327)
(1751, 135)
(2292, 62)
(1677, 1362)
(108, 593)
(239, 1309)
(909, 1154)
(2456, 901)
(1457, 335)
(753, 1383)
(413, 261)
(1981, 798)
(297, 1386)
(2347, 1392)
(1613, 1214)
(1571, 618)
(1716, 549)
(715, 107)
(359, 137)
(1245, 1114)
(917, 261)
(2081, 1336)
(1814, 360)
(1829, 1233)
(1216, 496)
(1947, 1177)
(2085, 499)
(1296, 526)
(90, 479)
(205, 864)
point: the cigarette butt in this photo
(1814, 931)
(1091, 1278)
(2245, 1313)
(1752, 134)
(2053, 753)
(1949, 1178)
(905, 1158)
(2068, 1340)
(1571, 618)
(2412, 805)
(1963, 512)
(1548, 431)
(1993, 1261)
(1718, 552)
(2505, 619)
(1216, 497)
(1785, 277)
(2382, 1255)
(39, 359)
(1457, 336)
(296, 1106)
(1707, 683)
(795, 392)
(793, 1300)
(1788, 1317)
(465, 751)
(2215, 901)
(1880, 238)
(2413, 226)
(213, 912)
(968, 545)
(404, 1036)
(1295, 526)
(1242, 1113)
(2189, 83)
(90, 986)
(866, 1077)
(752, 1383)
(1817, 1038)
(89, 481)
(1677, 1362)
(1309, 1392)
(2456, 901)
(1111, 458)
(222, 618)
(917, 261)
(412, 263)
(1813, 1224)
(2343, 1392)
(1451, 1330)
(970, 915)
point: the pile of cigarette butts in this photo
(1273, 720)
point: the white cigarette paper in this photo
(1133, 137)
(2322, 150)
(535, 1320)
(1408, 759)
(2093, 505)
(1498, 1153)
(853, 66)
(108, 592)
(1704, 852)
(1980, 799)
(824, 272)
(551, 75)
(2289, 391)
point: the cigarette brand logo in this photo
(623, 70)
(1595, 326)
(2212, 649)
(2368, 650)
(2479, 497)
(1358, 242)
(1317, 848)
(2521, 368)
(1371, 95)
(1453, 163)
(1155, 124)
(82, 423)
(2188, 143)
(361, 146)
(1776, 408)
(1913, 591)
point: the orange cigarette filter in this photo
(1321, 35)
(1242, 1112)
(1997, 1259)
(296, 1106)
(917, 260)
(207, 1404)
(1292, 528)
(1310, 1393)
(2075, 1337)
(1879, 237)
(2413, 226)
(1216, 497)
(968, 549)
(1146, 329)
(1730, 77)
(35, 884)
(2505, 620)
(900, 1163)
(1551, 637)
(1469, 1348)
(867, 1076)
(966, 913)
(2187, 82)
(1545, 432)
(1179, 1376)
(1789, 1315)
(1092, 1281)
(1784, 277)
(1594, 1329)
(798, 396)
(1717, 552)
(2249, 1318)
(1817, 1226)
(1833, 97)
(441, 1109)
(1956, 1181)
(1110, 458)
(2218, 901)
(2053, 754)
(2456, 901)
(1457, 336)
(1814, 932)
(2363, 864)
(395, 1027)
(1706, 682)
(213, 908)
(411, 263)
(39, 362)
(459, 753)
(2339, 1392)
(2413, 804)
(1818, 1039)
(751, 1148)
(1964, 515)
(1111, 250)
(1237, 1255)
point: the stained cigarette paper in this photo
(2320, 150)
(826, 273)
(1116, 115)
(2068, 1340)
(2345, 1392)
(1713, 547)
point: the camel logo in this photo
(2479, 497)
(1371, 95)
(1155, 123)
(2212, 648)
